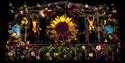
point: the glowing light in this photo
(48, 10)
(38, 4)
(25, 4)
(91, 21)
(112, 4)
(16, 15)
(114, 11)
(16, 28)
(7, 42)
(40, 28)
(15, 40)
(34, 25)
(37, 57)
(18, 34)
(10, 4)
(27, 47)
(33, 53)
(12, 11)
(10, 31)
(108, 29)
(55, 54)
(47, 54)
(105, 40)
(86, 6)
(42, 13)
(14, 34)
(10, 54)
(98, 47)
(26, 10)
(19, 40)
(22, 56)
(110, 19)
(28, 43)
(90, 54)
(62, 28)
(22, 43)
(104, 22)
(69, 5)
(83, 47)
(95, 8)
(21, 12)
(50, 58)
(110, 37)
(24, 21)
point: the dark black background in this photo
(4, 16)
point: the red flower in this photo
(116, 37)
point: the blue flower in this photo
(108, 29)
(16, 28)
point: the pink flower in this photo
(23, 44)
(69, 5)
(33, 53)
(98, 47)
(10, 31)
(18, 34)
(28, 43)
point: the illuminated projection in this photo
(63, 31)
(91, 23)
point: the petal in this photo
(71, 24)
(68, 19)
(52, 25)
(53, 31)
(55, 22)
(62, 19)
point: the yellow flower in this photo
(47, 54)
(42, 13)
(23, 22)
(10, 54)
(37, 57)
(61, 27)
(38, 4)
(90, 54)
(105, 40)
(26, 47)
(14, 34)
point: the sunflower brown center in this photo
(62, 28)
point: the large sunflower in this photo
(62, 28)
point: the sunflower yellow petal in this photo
(71, 24)
(68, 19)
(62, 19)
(52, 25)
(55, 22)
(57, 18)
(53, 31)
